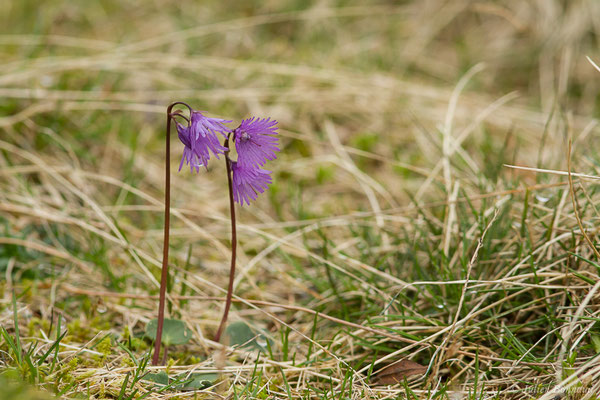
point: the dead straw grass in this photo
(452, 91)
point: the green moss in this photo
(139, 344)
(36, 325)
(66, 374)
(169, 365)
(100, 323)
(105, 347)
(127, 362)
(78, 332)
(126, 333)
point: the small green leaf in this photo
(160, 377)
(197, 381)
(240, 334)
(174, 331)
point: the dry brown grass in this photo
(396, 122)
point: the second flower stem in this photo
(233, 248)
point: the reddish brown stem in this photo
(165, 263)
(233, 249)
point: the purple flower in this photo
(255, 141)
(200, 139)
(204, 135)
(191, 157)
(205, 127)
(248, 182)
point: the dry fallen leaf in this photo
(395, 373)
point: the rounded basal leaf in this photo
(197, 381)
(174, 331)
(159, 377)
(240, 334)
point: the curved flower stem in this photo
(233, 247)
(165, 263)
(178, 114)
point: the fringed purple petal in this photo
(203, 126)
(200, 139)
(248, 182)
(189, 156)
(255, 141)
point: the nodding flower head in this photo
(204, 134)
(200, 139)
(248, 182)
(256, 141)
(194, 158)
(205, 126)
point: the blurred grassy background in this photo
(389, 112)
